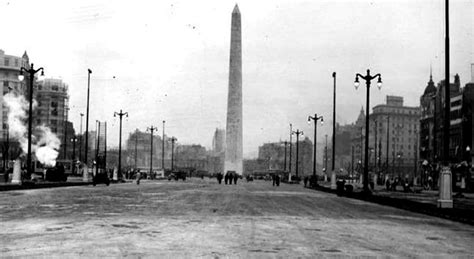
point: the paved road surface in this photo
(199, 218)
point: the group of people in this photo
(276, 179)
(228, 177)
(391, 184)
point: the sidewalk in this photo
(424, 202)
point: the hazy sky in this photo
(170, 59)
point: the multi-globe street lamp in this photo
(120, 114)
(31, 71)
(367, 79)
(315, 118)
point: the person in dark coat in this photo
(219, 178)
(230, 178)
(305, 180)
(226, 178)
(235, 178)
(277, 180)
(273, 179)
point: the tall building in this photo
(141, 142)
(52, 111)
(461, 121)
(9, 70)
(393, 138)
(234, 151)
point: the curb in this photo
(455, 214)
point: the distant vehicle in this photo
(177, 175)
(101, 177)
(56, 173)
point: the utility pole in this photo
(80, 139)
(87, 114)
(326, 154)
(136, 150)
(151, 129)
(289, 164)
(375, 148)
(97, 149)
(333, 162)
(173, 139)
(66, 109)
(284, 166)
(120, 114)
(388, 137)
(163, 148)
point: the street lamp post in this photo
(284, 165)
(151, 129)
(173, 139)
(31, 71)
(120, 114)
(298, 133)
(315, 119)
(367, 79)
(326, 154)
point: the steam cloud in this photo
(44, 142)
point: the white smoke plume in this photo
(46, 146)
(44, 143)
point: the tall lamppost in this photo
(367, 79)
(326, 154)
(80, 139)
(315, 119)
(173, 139)
(151, 129)
(298, 133)
(31, 71)
(89, 72)
(120, 114)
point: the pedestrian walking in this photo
(277, 180)
(305, 181)
(138, 177)
(235, 178)
(273, 180)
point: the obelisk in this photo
(233, 150)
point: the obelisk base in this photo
(16, 178)
(333, 180)
(445, 200)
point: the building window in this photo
(5, 83)
(16, 62)
(53, 122)
(4, 126)
(54, 112)
(55, 88)
(38, 122)
(7, 62)
(54, 104)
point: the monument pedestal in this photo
(85, 173)
(16, 178)
(333, 180)
(445, 200)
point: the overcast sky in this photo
(170, 59)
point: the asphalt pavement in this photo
(199, 218)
